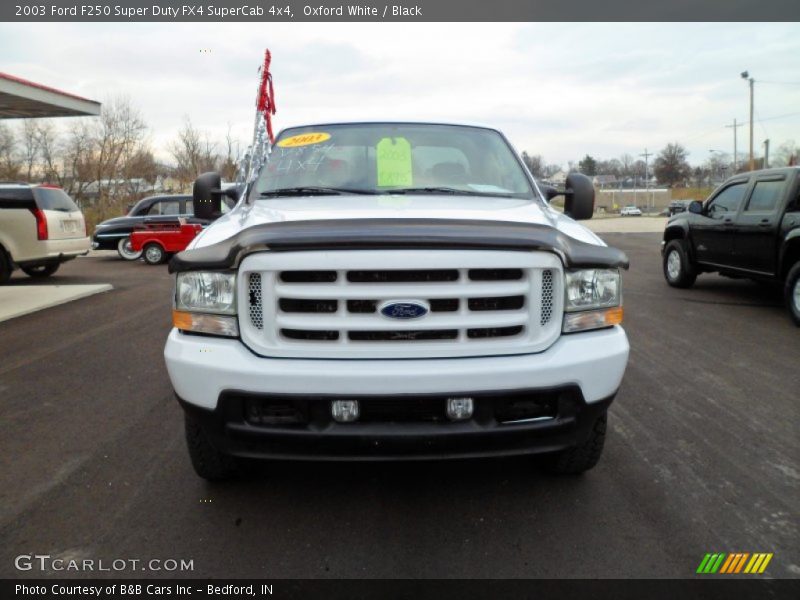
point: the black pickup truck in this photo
(749, 227)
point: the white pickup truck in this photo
(395, 291)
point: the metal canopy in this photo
(21, 99)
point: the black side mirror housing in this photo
(549, 191)
(207, 196)
(579, 197)
(696, 207)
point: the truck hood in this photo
(427, 206)
(394, 222)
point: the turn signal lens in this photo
(592, 319)
(205, 323)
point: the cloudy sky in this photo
(560, 90)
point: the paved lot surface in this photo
(20, 298)
(702, 455)
(627, 224)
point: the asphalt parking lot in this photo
(702, 455)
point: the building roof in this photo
(21, 99)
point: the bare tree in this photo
(10, 167)
(29, 138)
(118, 135)
(626, 165)
(77, 159)
(228, 164)
(193, 152)
(535, 164)
(49, 151)
(783, 155)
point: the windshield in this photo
(392, 158)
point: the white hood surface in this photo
(426, 206)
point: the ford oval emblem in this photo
(404, 309)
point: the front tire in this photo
(208, 462)
(154, 254)
(678, 270)
(41, 270)
(582, 457)
(792, 289)
(125, 251)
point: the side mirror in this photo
(579, 197)
(549, 191)
(206, 196)
(696, 207)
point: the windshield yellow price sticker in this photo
(304, 139)
(394, 162)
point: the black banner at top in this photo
(396, 10)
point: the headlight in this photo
(206, 292)
(592, 299)
(589, 289)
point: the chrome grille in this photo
(474, 307)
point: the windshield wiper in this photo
(310, 190)
(445, 190)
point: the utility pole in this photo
(766, 153)
(735, 153)
(646, 178)
(746, 75)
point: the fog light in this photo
(344, 411)
(459, 409)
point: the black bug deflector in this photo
(358, 234)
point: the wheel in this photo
(5, 267)
(208, 462)
(582, 457)
(154, 254)
(125, 251)
(41, 270)
(793, 293)
(678, 271)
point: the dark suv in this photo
(749, 227)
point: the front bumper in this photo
(231, 428)
(212, 377)
(202, 367)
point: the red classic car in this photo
(157, 240)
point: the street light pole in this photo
(646, 179)
(735, 148)
(746, 75)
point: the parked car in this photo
(413, 295)
(630, 211)
(749, 227)
(114, 234)
(40, 228)
(158, 239)
(678, 206)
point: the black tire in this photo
(154, 254)
(5, 267)
(41, 270)
(792, 291)
(124, 250)
(678, 269)
(208, 462)
(582, 457)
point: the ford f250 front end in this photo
(396, 291)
